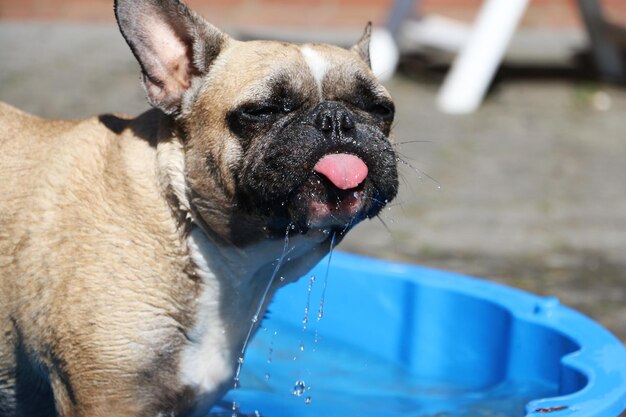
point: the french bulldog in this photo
(137, 255)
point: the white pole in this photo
(474, 67)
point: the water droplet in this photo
(299, 388)
(301, 347)
(355, 194)
(267, 376)
(257, 413)
(305, 319)
(240, 360)
(255, 318)
(307, 400)
(270, 351)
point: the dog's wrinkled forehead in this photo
(259, 70)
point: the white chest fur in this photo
(207, 362)
(233, 288)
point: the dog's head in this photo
(275, 135)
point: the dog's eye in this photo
(385, 111)
(260, 112)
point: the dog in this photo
(137, 255)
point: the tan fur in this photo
(91, 259)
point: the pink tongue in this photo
(343, 170)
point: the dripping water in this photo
(305, 319)
(257, 313)
(320, 311)
(270, 352)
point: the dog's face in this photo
(291, 135)
(276, 136)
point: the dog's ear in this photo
(362, 47)
(172, 44)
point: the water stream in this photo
(255, 317)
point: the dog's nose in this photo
(330, 116)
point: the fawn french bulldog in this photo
(134, 253)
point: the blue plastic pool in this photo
(399, 340)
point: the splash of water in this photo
(299, 388)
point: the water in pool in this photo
(289, 372)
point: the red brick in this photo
(307, 13)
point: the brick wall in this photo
(308, 13)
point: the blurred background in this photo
(528, 188)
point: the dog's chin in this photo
(341, 213)
(320, 206)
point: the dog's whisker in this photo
(421, 173)
(374, 199)
(384, 224)
(405, 181)
(349, 225)
(406, 157)
(409, 142)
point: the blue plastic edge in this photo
(601, 357)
